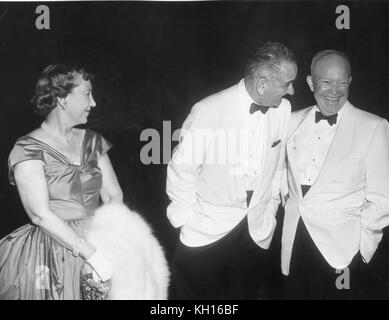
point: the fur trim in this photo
(140, 270)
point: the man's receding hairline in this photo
(317, 60)
(273, 74)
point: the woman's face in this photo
(80, 101)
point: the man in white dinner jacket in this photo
(224, 178)
(338, 182)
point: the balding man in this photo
(338, 182)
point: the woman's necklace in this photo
(67, 137)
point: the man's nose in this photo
(333, 88)
(92, 102)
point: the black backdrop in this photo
(154, 60)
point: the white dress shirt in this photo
(313, 147)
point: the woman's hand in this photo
(101, 266)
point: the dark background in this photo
(153, 60)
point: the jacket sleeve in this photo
(185, 166)
(375, 213)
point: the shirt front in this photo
(313, 147)
(255, 124)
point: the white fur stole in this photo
(140, 270)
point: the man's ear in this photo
(310, 82)
(261, 85)
(350, 79)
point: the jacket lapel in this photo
(295, 128)
(269, 129)
(236, 121)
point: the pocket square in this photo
(275, 143)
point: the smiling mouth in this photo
(332, 98)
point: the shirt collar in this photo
(340, 112)
(245, 97)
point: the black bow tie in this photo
(331, 119)
(255, 107)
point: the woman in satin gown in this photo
(61, 173)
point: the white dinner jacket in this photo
(347, 207)
(209, 200)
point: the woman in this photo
(60, 172)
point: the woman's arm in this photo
(32, 186)
(110, 190)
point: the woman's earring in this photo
(62, 106)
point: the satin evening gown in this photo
(33, 265)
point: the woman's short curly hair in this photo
(55, 81)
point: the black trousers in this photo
(311, 277)
(233, 267)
